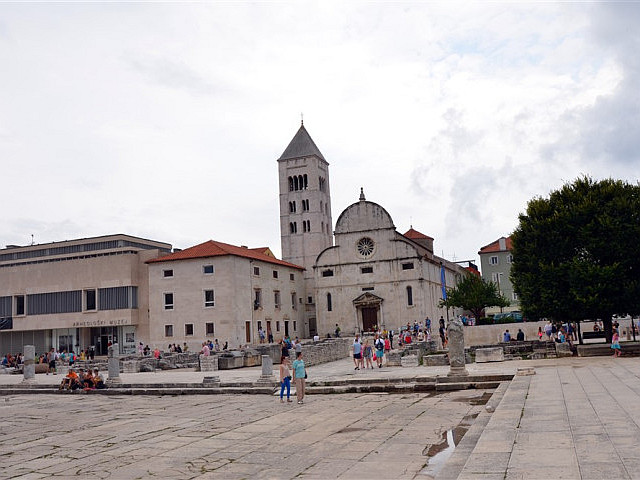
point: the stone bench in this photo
(493, 354)
(438, 360)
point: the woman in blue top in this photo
(298, 375)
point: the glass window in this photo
(275, 274)
(207, 269)
(366, 270)
(407, 266)
(257, 299)
(409, 296)
(167, 273)
(168, 330)
(292, 277)
(168, 301)
(327, 273)
(276, 298)
(329, 303)
(188, 329)
(90, 303)
(209, 298)
(293, 300)
(209, 328)
(19, 305)
(494, 260)
(256, 270)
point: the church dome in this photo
(363, 215)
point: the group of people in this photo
(85, 380)
(265, 335)
(12, 361)
(208, 346)
(299, 375)
(560, 332)
(506, 336)
(364, 354)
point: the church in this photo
(372, 275)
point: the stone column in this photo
(29, 364)
(113, 364)
(267, 370)
(455, 332)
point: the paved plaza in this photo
(575, 418)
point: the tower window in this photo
(292, 207)
(327, 273)
(409, 296)
(305, 205)
(293, 227)
(366, 270)
(305, 181)
(407, 266)
(290, 184)
(329, 303)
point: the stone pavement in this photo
(576, 418)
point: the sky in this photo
(166, 120)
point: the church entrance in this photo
(369, 318)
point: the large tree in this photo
(576, 254)
(474, 294)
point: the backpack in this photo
(379, 344)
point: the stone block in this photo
(230, 359)
(493, 354)
(394, 358)
(130, 366)
(435, 360)
(563, 350)
(209, 363)
(409, 361)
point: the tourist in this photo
(261, 334)
(337, 330)
(285, 348)
(185, 347)
(427, 324)
(298, 346)
(506, 336)
(367, 353)
(216, 346)
(540, 334)
(226, 345)
(390, 339)
(156, 353)
(140, 349)
(52, 362)
(420, 335)
(269, 335)
(615, 343)
(443, 334)
(285, 379)
(379, 345)
(357, 352)
(299, 374)
(98, 379)
(387, 345)
(87, 381)
(548, 330)
(520, 335)
(205, 349)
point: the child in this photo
(615, 343)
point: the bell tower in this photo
(305, 211)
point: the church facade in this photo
(373, 276)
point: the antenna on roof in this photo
(33, 242)
(301, 119)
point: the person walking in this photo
(357, 352)
(379, 345)
(285, 379)
(615, 343)
(367, 354)
(299, 375)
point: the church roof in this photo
(212, 248)
(416, 235)
(301, 146)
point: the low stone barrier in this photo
(493, 354)
(437, 360)
(410, 361)
(326, 350)
(208, 363)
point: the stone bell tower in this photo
(305, 211)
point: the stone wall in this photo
(326, 350)
(492, 334)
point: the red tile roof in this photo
(212, 248)
(415, 235)
(495, 246)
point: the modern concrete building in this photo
(76, 294)
(495, 264)
(375, 276)
(217, 290)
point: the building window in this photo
(305, 205)
(256, 271)
(407, 266)
(277, 326)
(20, 306)
(293, 300)
(306, 226)
(167, 273)
(276, 298)
(292, 277)
(495, 277)
(90, 303)
(209, 300)
(168, 330)
(209, 328)
(309, 299)
(275, 274)
(493, 260)
(367, 289)
(188, 329)
(514, 296)
(409, 296)
(295, 326)
(366, 270)
(365, 246)
(257, 299)
(292, 207)
(207, 269)
(168, 301)
(329, 303)
(509, 258)
(327, 273)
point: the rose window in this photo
(365, 246)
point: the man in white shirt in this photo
(357, 352)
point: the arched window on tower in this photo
(329, 303)
(308, 225)
(290, 184)
(295, 183)
(409, 296)
(306, 181)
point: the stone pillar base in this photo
(457, 372)
(266, 380)
(114, 381)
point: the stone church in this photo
(373, 275)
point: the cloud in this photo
(173, 74)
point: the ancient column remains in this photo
(29, 364)
(455, 332)
(113, 364)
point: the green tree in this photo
(576, 254)
(474, 294)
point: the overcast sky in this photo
(165, 120)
